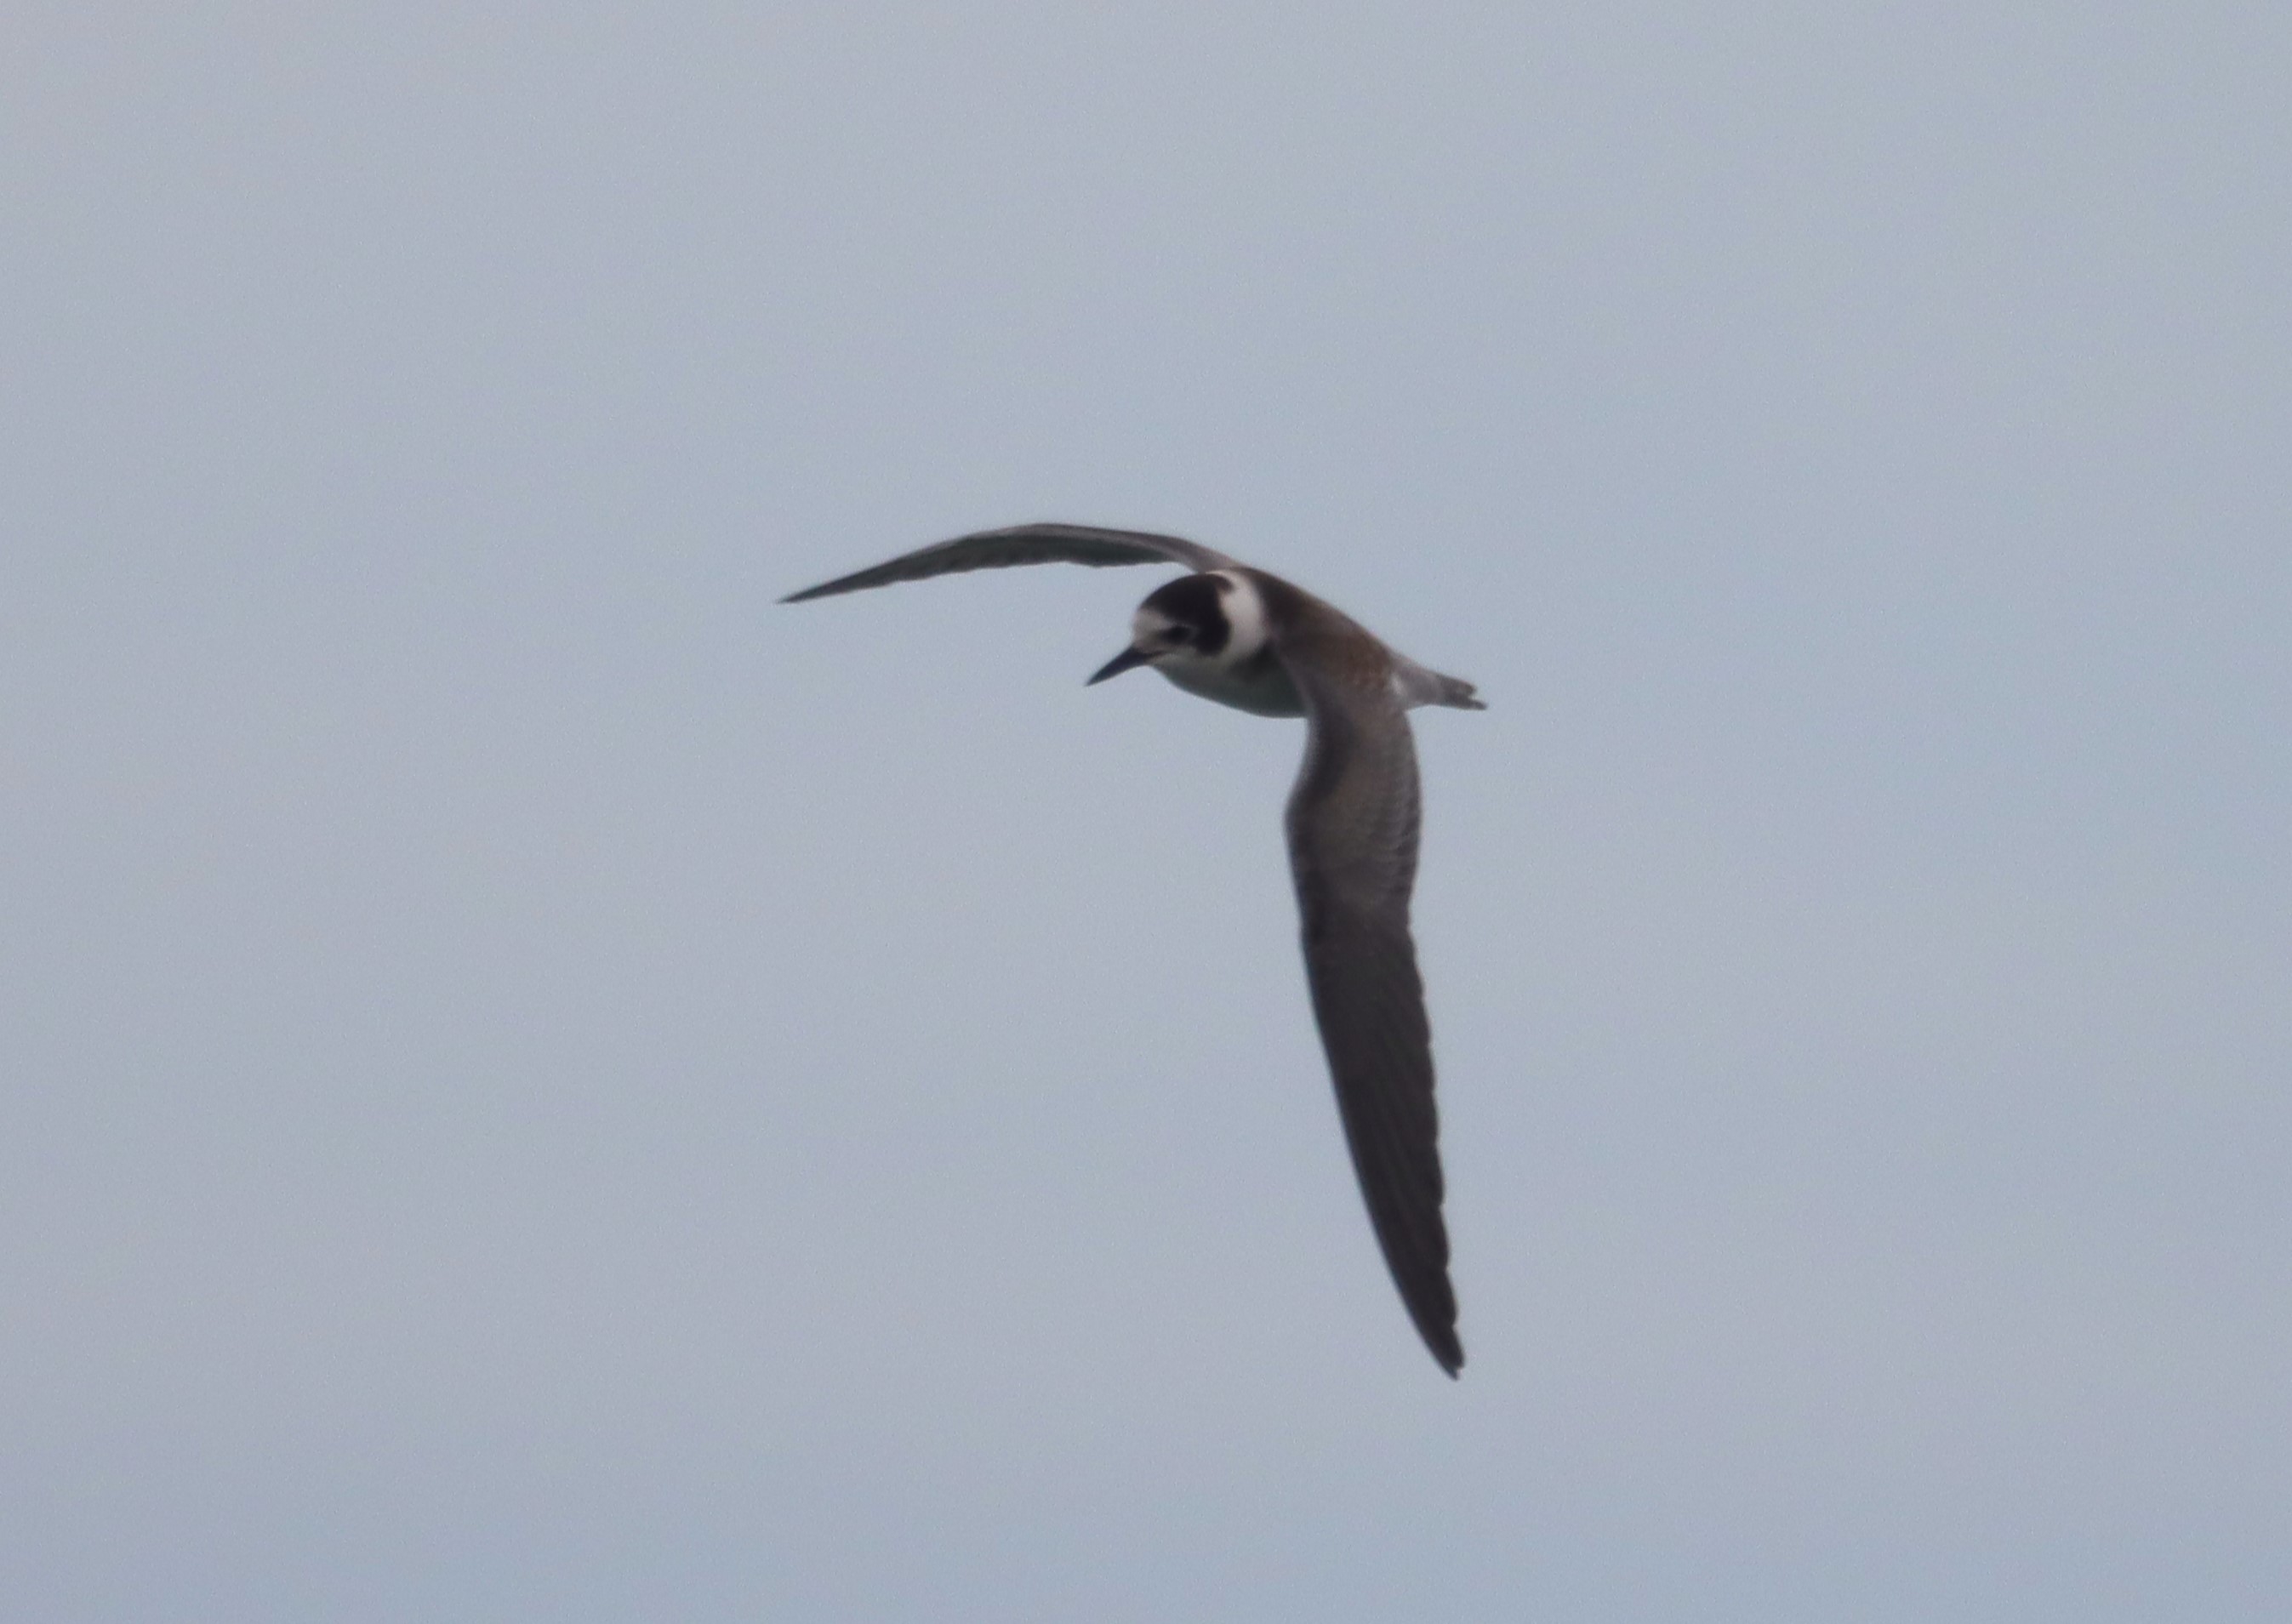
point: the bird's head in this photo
(1214, 618)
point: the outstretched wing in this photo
(1025, 544)
(1352, 824)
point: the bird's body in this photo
(1252, 640)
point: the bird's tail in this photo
(1458, 693)
(1420, 686)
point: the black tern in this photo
(1250, 640)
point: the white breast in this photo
(1262, 687)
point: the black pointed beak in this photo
(1119, 664)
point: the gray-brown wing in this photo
(1352, 824)
(1025, 544)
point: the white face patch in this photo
(1146, 628)
(1245, 614)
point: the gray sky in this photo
(534, 1083)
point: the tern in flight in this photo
(1253, 640)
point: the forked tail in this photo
(1420, 686)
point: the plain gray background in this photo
(539, 1084)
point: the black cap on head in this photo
(1191, 601)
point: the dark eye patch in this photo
(1189, 606)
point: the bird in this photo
(1252, 640)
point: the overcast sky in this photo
(536, 1084)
